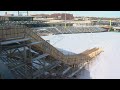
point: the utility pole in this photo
(110, 26)
(18, 13)
(65, 19)
(110, 23)
(27, 13)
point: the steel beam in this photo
(14, 41)
(40, 57)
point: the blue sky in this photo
(75, 13)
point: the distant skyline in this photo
(75, 13)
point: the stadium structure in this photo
(24, 54)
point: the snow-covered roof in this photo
(106, 65)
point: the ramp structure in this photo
(68, 59)
(27, 55)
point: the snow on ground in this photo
(106, 65)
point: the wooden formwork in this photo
(72, 60)
(11, 31)
(83, 57)
(78, 60)
(45, 47)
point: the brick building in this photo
(62, 16)
(55, 16)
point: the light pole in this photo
(27, 13)
(65, 19)
(18, 13)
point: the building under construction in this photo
(25, 55)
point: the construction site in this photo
(24, 54)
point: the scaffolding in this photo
(28, 56)
(18, 55)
